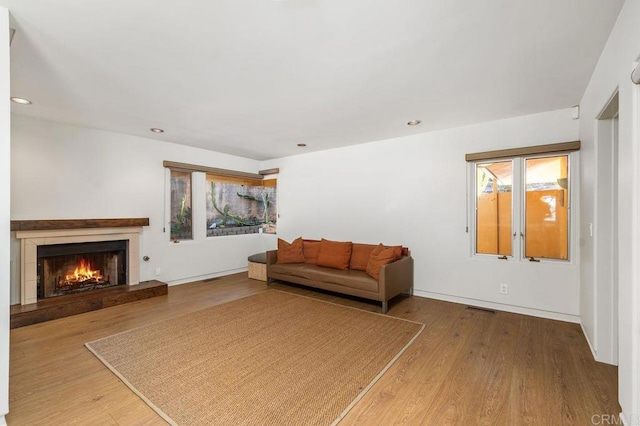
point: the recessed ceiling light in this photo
(414, 122)
(302, 145)
(21, 101)
(156, 130)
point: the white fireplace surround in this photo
(30, 240)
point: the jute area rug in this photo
(273, 358)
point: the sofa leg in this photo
(385, 307)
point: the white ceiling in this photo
(256, 77)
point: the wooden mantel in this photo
(43, 225)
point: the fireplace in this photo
(110, 254)
(78, 267)
(65, 265)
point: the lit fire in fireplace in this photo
(82, 274)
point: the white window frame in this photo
(518, 208)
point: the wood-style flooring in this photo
(467, 367)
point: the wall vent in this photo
(477, 308)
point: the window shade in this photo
(184, 167)
(530, 150)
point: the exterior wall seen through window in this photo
(240, 206)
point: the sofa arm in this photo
(396, 277)
(272, 257)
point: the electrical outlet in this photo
(504, 288)
(157, 272)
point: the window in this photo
(181, 228)
(493, 207)
(209, 202)
(546, 228)
(240, 206)
(521, 207)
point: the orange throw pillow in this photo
(379, 256)
(360, 255)
(397, 251)
(311, 250)
(334, 254)
(290, 253)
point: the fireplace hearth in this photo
(78, 267)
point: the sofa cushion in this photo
(310, 249)
(290, 253)
(334, 254)
(342, 277)
(380, 256)
(258, 258)
(360, 254)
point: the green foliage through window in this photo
(181, 214)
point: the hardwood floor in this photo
(467, 367)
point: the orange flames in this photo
(82, 273)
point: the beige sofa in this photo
(394, 278)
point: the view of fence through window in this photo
(181, 228)
(240, 206)
(541, 216)
(546, 207)
(493, 207)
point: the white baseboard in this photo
(205, 277)
(500, 307)
(593, 351)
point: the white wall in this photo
(67, 172)
(598, 314)
(5, 177)
(412, 191)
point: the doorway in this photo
(606, 235)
